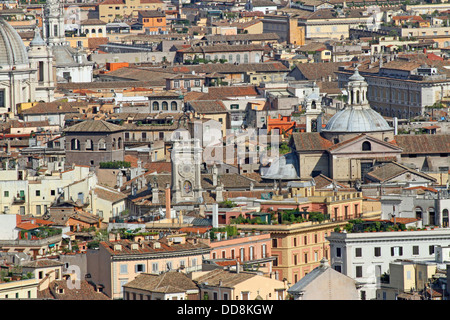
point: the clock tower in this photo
(186, 157)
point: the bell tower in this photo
(41, 59)
(53, 23)
(313, 112)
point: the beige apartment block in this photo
(111, 9)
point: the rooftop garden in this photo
(115, 164)
(284, 217)
(359, 225)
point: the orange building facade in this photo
(153, 21)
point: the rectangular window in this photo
(2, 99)
(274, 243)
(415, 250)
(234, 107)
(123, 269)
(6, 194)
(358, 252)
(38, 193)
(396, 251)
(140, 268)
(377, 252)
(358, 271)
(155, 267)
(431, 249)
(338, 252)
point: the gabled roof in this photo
(208, 106)
(224, 278)
(363, 136)
(54, 107)
(391, 170)
(168, 282)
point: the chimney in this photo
(168, 204)
(155, 193)
(119, 179)
(395, 126)
(215, 215)
(215, 173)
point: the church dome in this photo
(12, 49)
(357, 116)
(354, 120)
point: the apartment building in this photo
(365, 257)
(23, 194)
(250, 249)
(110, 9)
(117, 262)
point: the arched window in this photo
(313, 105)
(173, 106)
(93, 30)
(89, 144)
(114, 143)
(366, 146)
(100, 30)
(419, 213)
(119, 143)
(155, 106)
(245, 58)
(165, 105)
(101, 144)
(230, 58)
(74, 144)
(445, 218)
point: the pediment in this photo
(364, 144)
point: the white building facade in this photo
(365, 257)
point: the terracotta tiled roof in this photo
(59, 290)
(391, 170)
(224, 278)
(94, 126)
(109, 194)
(55, 107)
(151, 13)
(168, 282)
(147, 248)
(319, 71)
(310, 141)
(424, 143)
(208, 106)
(42, 263)
(222, 48)
(228, 92)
